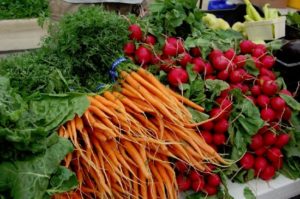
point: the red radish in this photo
(270, 88)
(211, 167)
(150, 39)
(219, 139)
(260, 151)
(262, 101)
(129, 48)
(169, 49)
(268, 61)
(247, 161)
(245, 88)
(260, 163)
(210, 77)
(167, 65)
(225, 104)
(268, 173)
(207, 136)
(221, 126)
(285, 91)
(177, 76)
(236, 76)
(215, 147)
(199, 65)
(287, 114)
(223, 75)
(255, 90)
(185, 58)
(213, 180)
(278, 164)
(218, 112)
(256, 142)
(220, 62)
(208, 69)
(263, 130)
(257, 62)
(268, 115)
(246, 46)
(225, 93)
(135, 32)
(277, 103)
(198, 185)
(143, 55)
(229, 54)
(195, 175)
(267, 72)
(180, 46)
(263, 79)
(282, 140)
(195, 52)
(181, 166)
(155, 59)
(258, 52)
(269, 138)
(274, 154)
(209, 190)
(207, 126)
(172, 40)
(240, 61)
(183, 183)
(252, 99)
(214, 53)
(262, 46)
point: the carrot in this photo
(108, 95)
(68, 159)
(98, 134)
(143, 185)
(127, 102)
(159, 184)
(108, 103)
(167, 181)
(102, 107)
(133, 91)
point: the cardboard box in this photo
(273, 3)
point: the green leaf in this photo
(291, 101)
(192, 74)
(198, 116)
(274, 45)
(216, 86)
(251, 68)
(248, 193)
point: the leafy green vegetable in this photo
(31, 178)
(293, 19)
(245, 121)
(17, 9)
(215, 87)
(291, 101)
(248, 193)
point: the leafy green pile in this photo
(30, 149)
(293, 19)
(17, 9)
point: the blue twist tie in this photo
(113, 73)
(100, 86)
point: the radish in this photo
(223, 75)
(183, 183)
(218, 112)
(282, 140)
(247, 161)
(279, 163)
(155, 59)
(211, 167)
(220, 62)
(135, 32)
(177, 76)
(225, 93)
(212, 77)
(260, 164)
(181, 166)
(195, 52)
(255, 90)
(262, 101)
(207, 126)
(246, 46)
(263, 129)
(273, 154)
(256, 142)
(236, 76)
(143, 55)
(209, 190)
(240, 61)
(177, 43)
(258, 52)
(208, 69)
(261, 46)
(268, 61)
(268, 115)
(285, 91)
(213, 180)
(287, 114)
(263, 79)
(195, 175)
(269, 138)
(251, 98)
(198, 185)
(224, 103)
(150, 39)
(257, 62)
(169, 49)
(214, 53)
(198, 65)
(268, 173)
(219, 139)
(167, 64)
(129, 48)
(267, 72)
(229, 54)
(269, 88)
(184, 59)
(260, 151)
(172, 40)
(207, 137)
(278, 104)
(221, 126)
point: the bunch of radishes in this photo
(188, 178)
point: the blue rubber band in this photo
(100, 86)
(113, 73)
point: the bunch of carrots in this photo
(124, 141)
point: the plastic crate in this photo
(266, 29)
